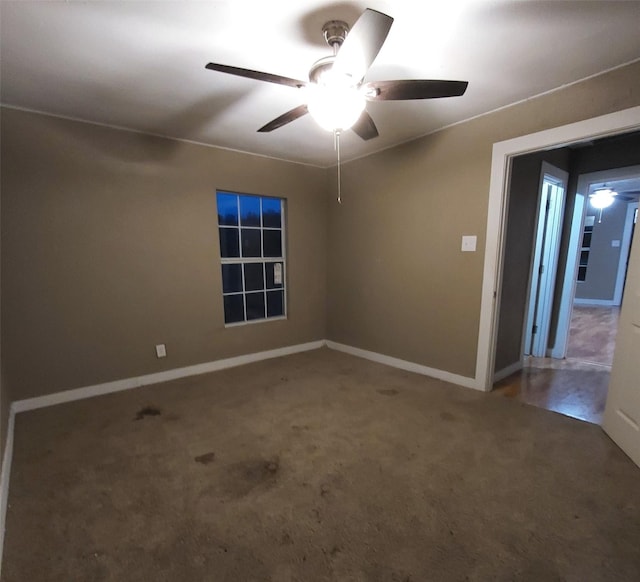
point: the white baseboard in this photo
(5, 476)
(595, 302)
(512, 369)
(129, 383)
(405, 365)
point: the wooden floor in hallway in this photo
(576, 386)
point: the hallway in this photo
(576, 386)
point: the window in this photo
(586, 247)
(252, 251)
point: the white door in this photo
(622, 413)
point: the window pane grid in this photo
(260, 297)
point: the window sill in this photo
(252, 321)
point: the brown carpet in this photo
(317, 467)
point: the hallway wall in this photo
(602, 267)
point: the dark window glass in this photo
(227, 209)
(255, 306)
(229, 244)
(253, 276)
(584, 258)
(271, 214)
(275, 303)
(251, 242)
(270, 269)
(272, 243)
(250, 210)
(586, 239)
(233, 308)
(231, 278)
(582, 273)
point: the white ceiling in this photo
(140, 64)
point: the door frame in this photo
(623, 121)
(547, 242)
(625, 250)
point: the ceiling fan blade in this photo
(413, 89)
(363, 43)
(258, 75)
(365, 127)
(285, 118)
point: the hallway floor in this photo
(576, 386)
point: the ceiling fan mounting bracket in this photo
(335, 31)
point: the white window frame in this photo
(241, 260)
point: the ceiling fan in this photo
(336, 93)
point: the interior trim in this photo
(405, 365)
(174, 374)
(510, 369)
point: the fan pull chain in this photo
(336, 145)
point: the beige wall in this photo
(110, 246)
(398, 282)
(5, 399)
(5, 403)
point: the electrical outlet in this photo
(469, 243)
(161, 351)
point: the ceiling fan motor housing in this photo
(335, 31)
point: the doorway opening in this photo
(572, 300)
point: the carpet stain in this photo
(511, 391)
(388, 392)
(333, 552)
(244, 477)
(297, 428)
(147, 411)
(316, 513)
(205, 459)
(286, 539)
(447, 416)
(258, 471)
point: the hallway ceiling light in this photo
(602, 198)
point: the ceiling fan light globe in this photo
(602, 198)
(334, 102)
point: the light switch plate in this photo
(469, 243)
(161, 351)
(615, 243)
